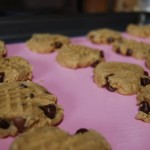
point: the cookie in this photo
(56, 139)
(3, 49)
(132, 48)
(124, 78)
(15, 69)
(78, 56)
(104, 36)
(86, 140)
(25, 105)
(46, 43)
(143, 101)
(50, 138)
(139, 31)
(138, 50)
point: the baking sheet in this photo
(85, 105)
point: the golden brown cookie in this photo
(46, 138)
(25, 105)
(15, 69)
(104, 36)
(46, 43)
(132, 48)
(78, 56)
(52, 138)
(139, 31)
(124, 78)
(86, 140)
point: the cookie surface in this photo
(143, 101)
(124, 78)
(46, 43)
(15, 69)
(78, 56)
(3, 49)
(57, 139)
(26, 105)
(104, 36)
(139, 31)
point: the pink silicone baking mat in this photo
(85, 105)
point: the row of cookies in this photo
(28, 107)
(123, 78)
(46, 43)
(120, 45)
(77, 56)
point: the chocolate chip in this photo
(118, 50)
(58, 44)
(23, 85)
(129, 52)
(19, 123)
(4, 55)
(2, 74)
(144, 106)
(102, 54)
(145, 73)
(32, 95)
(110, 40)
(49, 110)
(108, 86)
(82, 130)
(145, 81)
(94, 64)
(4, 124)
(91, 37)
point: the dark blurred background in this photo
(19, 19)
(27, 7)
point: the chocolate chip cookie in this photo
(143, 101)
(46, 43)
(124, 78)
(86, 140)
(25, 105)
(3, 49)
(134, 49)
(15, 69)
(56, 139)
(104, 36)
(78, 56)
(139, 31)
(50, 138)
